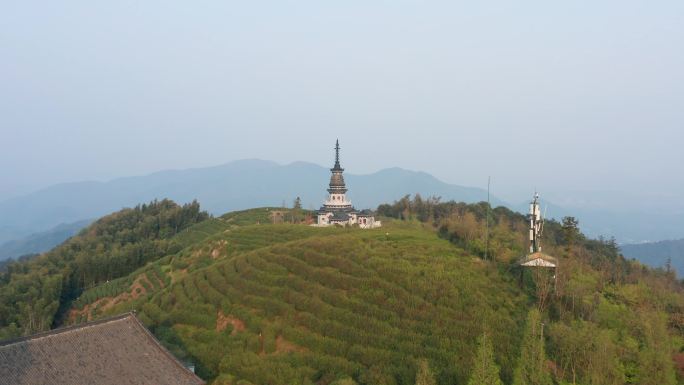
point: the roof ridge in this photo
(157, 343)
(65, 329)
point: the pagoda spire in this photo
(336, 179)
(337, 156)
(337, 153)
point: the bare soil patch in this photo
(222, 322)
(105, 303)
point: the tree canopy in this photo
(34, 292)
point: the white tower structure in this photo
(536, 258)
(337, 208)
(536, 225)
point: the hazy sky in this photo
(557, 95)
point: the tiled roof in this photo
(337, 182)
(118, 350)
(340, 216)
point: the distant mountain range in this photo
(233, 186)
(657, 253)
(252, 183)
(39, 242)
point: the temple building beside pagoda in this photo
(337, 209)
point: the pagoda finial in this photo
(337, 153)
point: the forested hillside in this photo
(34, 293)
(430, 298)
(291, 304)
(608, 320)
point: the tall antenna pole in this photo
(489, 180)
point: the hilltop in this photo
(250, 301)
(240, 185)
(293, 302)
(233, 186)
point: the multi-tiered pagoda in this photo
(337, 209)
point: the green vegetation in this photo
(531, 368)
(251, 298)
(266, 215)
(485, 370)
(602, 312)
(34, 293)
(296, 304)
(424, 375)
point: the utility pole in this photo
(541, 348)
(486, 256)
